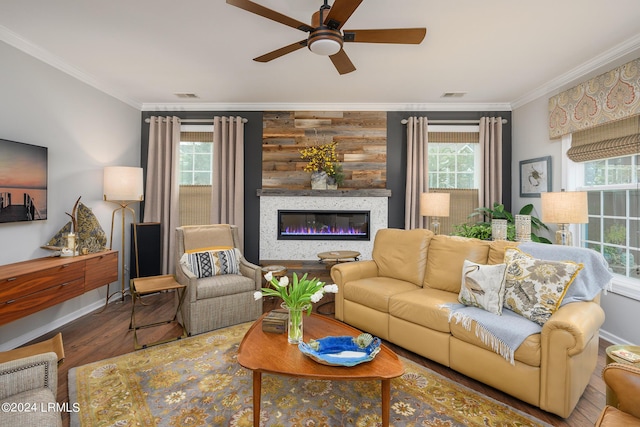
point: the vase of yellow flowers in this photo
(297, 295)
(321, 162)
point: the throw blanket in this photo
(503, 334)
(592, 279)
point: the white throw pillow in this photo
(483, 286)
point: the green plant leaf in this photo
(526, 209)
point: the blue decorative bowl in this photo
(342, 351)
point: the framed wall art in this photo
(535, 176)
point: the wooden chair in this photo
(624, 381)
(220, 300)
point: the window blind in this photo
(613, 139)
(454, 137)
(462, 204)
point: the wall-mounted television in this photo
(23, 182)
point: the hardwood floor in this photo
(99, 336)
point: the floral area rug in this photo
(198, 382)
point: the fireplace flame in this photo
(332, 231)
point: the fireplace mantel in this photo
(283, 192)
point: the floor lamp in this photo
(434, 205)
(122, 186)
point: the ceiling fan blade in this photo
(252, 7)
(340, 12)
(398, 35)
(282, 51)
(342, 62)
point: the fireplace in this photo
(323, 225)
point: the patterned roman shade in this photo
(609, 97)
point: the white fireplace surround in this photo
(273, 249)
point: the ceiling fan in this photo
(325, 35)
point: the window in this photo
(453, 165)
(455, 168)
(196, 163)
(612, 187)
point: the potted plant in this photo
(482, 229)
(335, 177)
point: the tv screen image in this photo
(23, 182)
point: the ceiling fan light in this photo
(325, 47)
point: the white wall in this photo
(84, 130)
(531, 140)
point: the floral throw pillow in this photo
(210, 263)
(534, 288)
(483, 286)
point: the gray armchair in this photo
(220, 300)
(29, 376)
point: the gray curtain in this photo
(491, 149)
(227, 197)
(417, 171)
(162, 186)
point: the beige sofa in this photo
(403, 296)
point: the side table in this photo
(339, 256)
(612, 358)
(148, 285)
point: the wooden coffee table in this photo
(271, 353)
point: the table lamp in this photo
(123, 186)
(564, 208)
(434, 205)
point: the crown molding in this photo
(206, 106)
(37, 52)
(550, 88)
(559, 83)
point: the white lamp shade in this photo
(434, 204)
(565, 207)
(123, 183)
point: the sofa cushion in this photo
(445, 258)
(535, 287)
(375, 292)
(482, 286)
(402, 254)
(496, 250)
(229, 284)
(528, 352)
(424, 307)
(197, 237)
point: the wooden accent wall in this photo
(361, 138)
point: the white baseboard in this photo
(613, 339)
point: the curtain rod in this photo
(453, 122)
(196, 120)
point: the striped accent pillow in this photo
(210, 263)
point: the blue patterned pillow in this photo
(212, 263)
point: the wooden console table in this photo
(30, 286)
